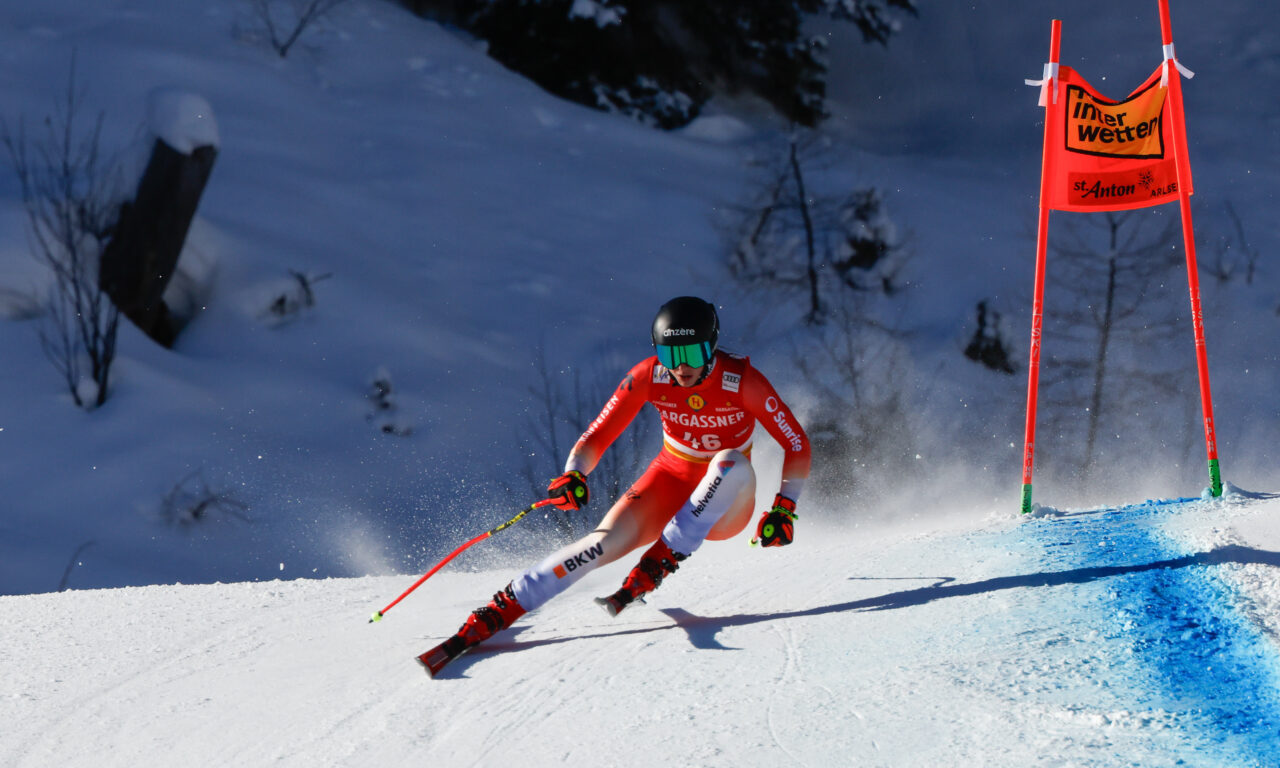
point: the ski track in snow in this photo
(1090, 638)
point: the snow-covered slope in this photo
(1132, 636)
(465, 219)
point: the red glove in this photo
(570, 491)
(777, 525)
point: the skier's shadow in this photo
(703, 630)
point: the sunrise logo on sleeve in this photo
(1111, 155)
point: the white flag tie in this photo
(1164, 69)
(1050, 77)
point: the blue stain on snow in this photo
(1201, 659)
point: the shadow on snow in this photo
(702, 630)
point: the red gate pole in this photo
(1050, 90)
(1183, 165)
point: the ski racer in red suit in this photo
(700, 486)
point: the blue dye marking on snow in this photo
(1204, 661)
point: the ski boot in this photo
(483, 622)
(655, 565)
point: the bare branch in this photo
(72, 204)
(305, 13)
(71, 564)
(192, 500)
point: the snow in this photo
(454, 226)
(184, 121)
(601, 14)
(1015, 642)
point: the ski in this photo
(613, 606)
(435, 659)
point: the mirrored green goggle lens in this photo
(695, 355)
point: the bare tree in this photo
(285, 27)
(72, 201)
(1109, 330)
(816, 244)
(860, 424)
(803, 204)
(1232, 252)
(834, 251)
(565, 410)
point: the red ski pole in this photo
(378, 615)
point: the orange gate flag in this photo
(1106, 155)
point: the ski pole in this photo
(378, 615)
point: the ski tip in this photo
(432, 661)
(610, 607)
(435, 659)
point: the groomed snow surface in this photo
(1141, 635)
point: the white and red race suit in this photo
(700, 486)
(716, 414)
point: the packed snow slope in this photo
(1142, 635)
(471, 237)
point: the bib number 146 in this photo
(707, 443)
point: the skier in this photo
(700, 486)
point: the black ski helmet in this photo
(686, 321)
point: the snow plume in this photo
(359, 545)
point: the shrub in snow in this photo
(192, 500)
(866, 250)
(989, 345)
(72, 199)
(386, 414)
(294, 297)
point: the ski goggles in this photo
(674, 355)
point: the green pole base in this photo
(1215, 478)
(1026, 499)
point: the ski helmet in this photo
(685, 331)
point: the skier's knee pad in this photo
(728, 474)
